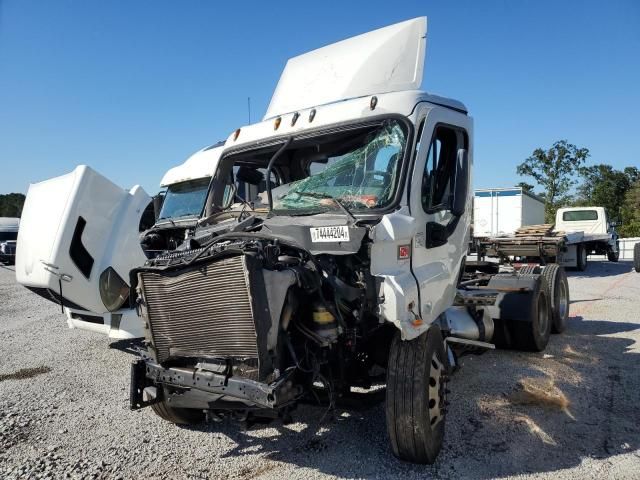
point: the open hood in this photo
(386, 60)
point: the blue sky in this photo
(133, 88)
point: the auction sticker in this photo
(339, 233)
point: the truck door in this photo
(78, 240)
(441, 241)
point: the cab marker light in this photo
(276, 123)
(373, 102)
(236, 134)
(312, 115)
(294, 119)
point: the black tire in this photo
(415, 404)
(582, 260)
(636, 257)
(531, 334)
(179, 416)
(529, 269)
(558, 293)
(614, 256)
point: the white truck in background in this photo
(588, 231)
(9, 227)
(502, 211)
(577, 233)
(163, 224)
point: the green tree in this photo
(630, 212)
(527, 187)
(555, 171)
(603, 186)
(11, 204)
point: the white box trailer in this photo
(501, 211)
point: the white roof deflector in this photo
(389, 59)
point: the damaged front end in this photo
(247, 324)
(276, 297)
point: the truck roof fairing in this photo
(201, 164)
(389, 59)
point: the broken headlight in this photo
(113, 289)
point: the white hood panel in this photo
(389, 59)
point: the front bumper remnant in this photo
(220, 387)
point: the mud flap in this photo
(138, 383)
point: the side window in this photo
(440, 168)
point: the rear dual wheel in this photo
(558, 293)
(531, 333)
(522, 319)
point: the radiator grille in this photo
(203, 312)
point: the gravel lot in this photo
(69, 417)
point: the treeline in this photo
(565, 180)
(11, 204)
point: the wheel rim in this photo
(436, 391)
(583, 255)
(563, 300)
(543, 314)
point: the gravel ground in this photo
(64, 407)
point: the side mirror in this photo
(158, 200)
(461, 186)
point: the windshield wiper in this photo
(335, 200)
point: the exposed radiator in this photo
(204, 311)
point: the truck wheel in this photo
(179, 416)
(532, 333)
(636, 257)
(582, 258)
(415, 404)
(558, 294)
(529, 269)
(614, 256)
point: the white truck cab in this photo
(110, 237)
(587, 231)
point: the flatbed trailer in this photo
(542, 244)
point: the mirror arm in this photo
(284, 146)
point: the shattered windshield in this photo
(363, 177)
(184, 199)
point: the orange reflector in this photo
(416, 322)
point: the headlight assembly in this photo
(113, 289)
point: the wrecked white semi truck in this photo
(332, 246)
(162, 222)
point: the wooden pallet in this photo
(543, 230)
